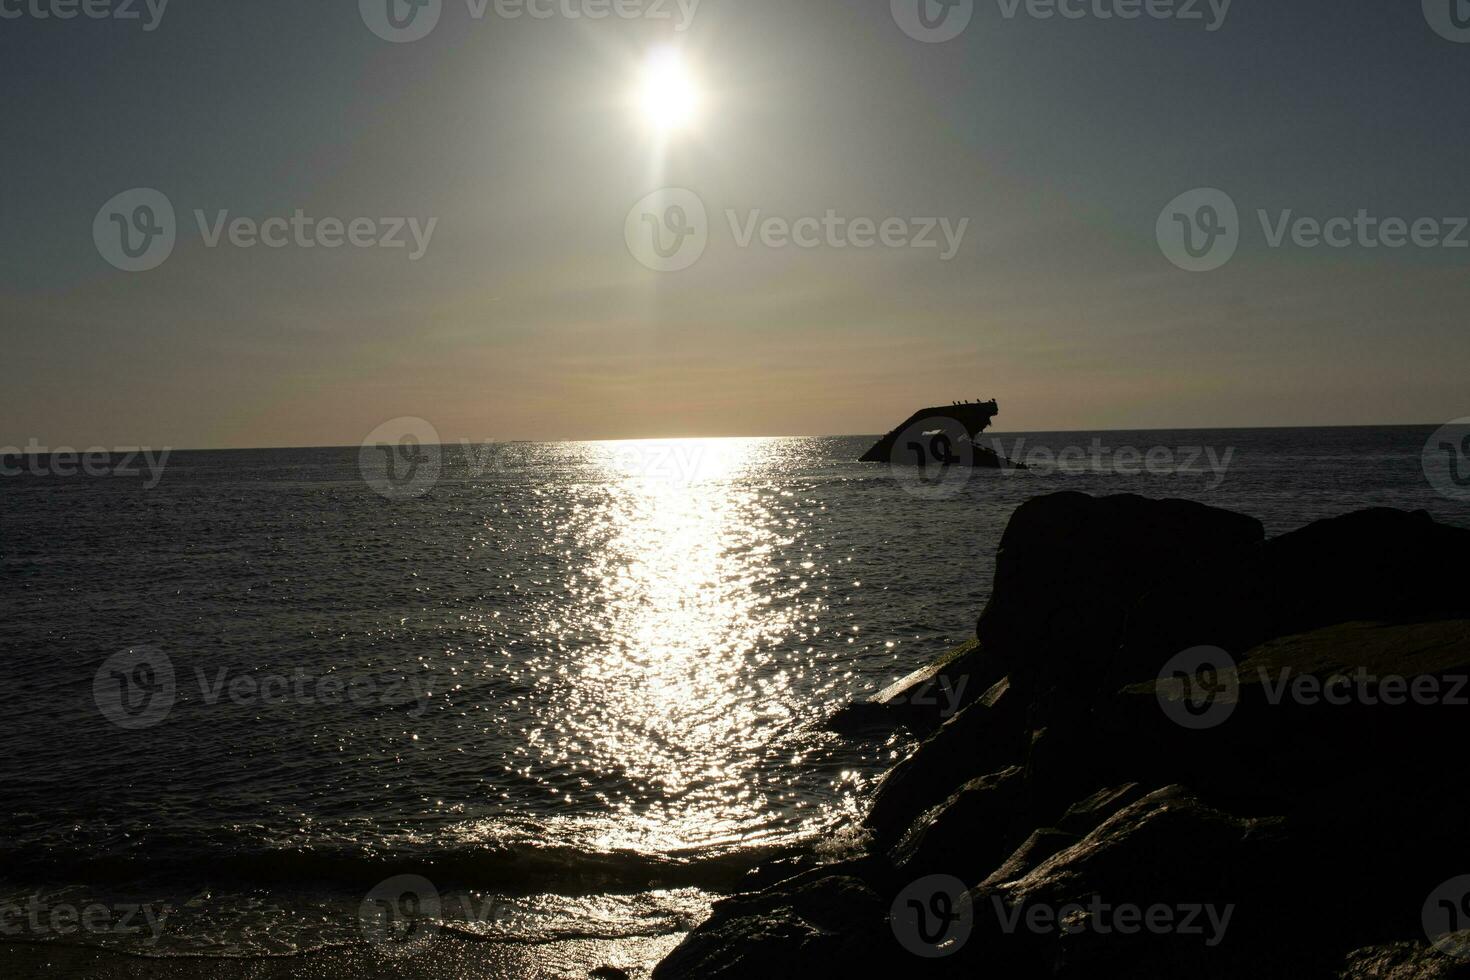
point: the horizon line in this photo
(8, 450)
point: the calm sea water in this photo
(582, 683)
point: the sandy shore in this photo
(446, 958)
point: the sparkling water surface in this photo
(584, 683)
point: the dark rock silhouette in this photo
(832, 918)
(1322, 825)
(1070, 565)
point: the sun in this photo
(668, 96)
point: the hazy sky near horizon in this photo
(528, 316)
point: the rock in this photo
(1357, 777)
(809, 926)
(1084, 816)
(1079, 820)
(1035, 849)
(609, 973)
(1379, 565)
(924, 699)
(1070, 567)
(863, 718)
(1284, 742)
(1437, 648)
(1166, 850)
(1402, 961)
(1321, 822)
(968, 834)
(983, 738)
(1135, 849)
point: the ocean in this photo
(578, 689)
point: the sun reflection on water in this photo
(680, 585)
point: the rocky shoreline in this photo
(1175, 749)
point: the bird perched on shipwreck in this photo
(948, 435)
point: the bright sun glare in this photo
(668, 97)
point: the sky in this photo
(1059, 152)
